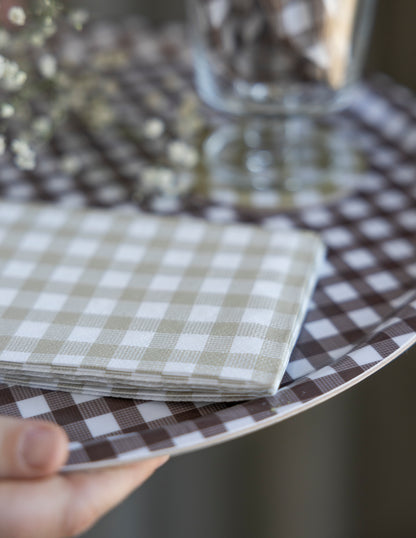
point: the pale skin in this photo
(38, 501)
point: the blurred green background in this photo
(345, 469)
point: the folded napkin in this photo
(115, 304)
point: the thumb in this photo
(31, 449)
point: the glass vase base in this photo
(281, 165)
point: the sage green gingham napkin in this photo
(116, 304)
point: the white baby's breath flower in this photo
(37, 39)
(49, 26)
(11, 76)
(182, 154)
(47, 66)
(78, 18)
(153, 128)
(25, 157)
(17, 15)
(7, 110)
(2, 145)
(42, 126)
(157, 177)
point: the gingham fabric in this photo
(363, 313)
(149, 307)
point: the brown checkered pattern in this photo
(364, 310)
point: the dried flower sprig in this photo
(31, 74)
(44, 81)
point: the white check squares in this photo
(299, 368)
(260, 316)
(83, 248)
(355, 209)
(66, 273)
(237, 236)
(317, 217)
(11, 214)
(276, 264)
(33, 407)
(322, 328)
(179, 368)
(137, 230)
(296, 18)
(267, 288)
(246, 345)
(7, 296)
(154, 411)
(204, 313)
(71, 361)
(399, 249)
(100, 306)
(179, 258)
(192, 342)
(32, 329)
(225, 260)
(121, 365)
(359, 258)
(102, 424)
(138, 339)
(338, 237)
(140, 306)
(96, 223)
(36, 242)
(376, 228)
(51, 219)
(341, 292)
(188, 232)
(382, 282)
(364, 317)
(129, 253)
(152, 310)
(84, 334)
(115, 279)
(18, 269)
(17, 357)
(165, 283)
(53, 302)
(215, 285)
(365, 355)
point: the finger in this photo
(98, 492)
(30, 448)
(66, 505)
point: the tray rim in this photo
(137, 455)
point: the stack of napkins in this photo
(134, 306)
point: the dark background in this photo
(345, 469)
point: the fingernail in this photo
(37, 446)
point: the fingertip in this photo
(43, 448)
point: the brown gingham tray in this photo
(363, 313)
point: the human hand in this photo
(36, 501)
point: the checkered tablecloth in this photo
(363, 312)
